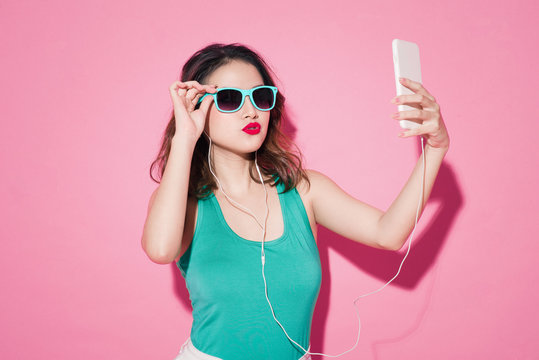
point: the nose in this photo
(248, 108)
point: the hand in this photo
(185, 95)
(432, 127)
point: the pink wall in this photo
(83, 107)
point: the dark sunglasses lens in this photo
(229, 100)
(263, 98)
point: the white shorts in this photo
(189, 352)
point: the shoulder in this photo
(320, 189)
(318, 186)
(316, 181)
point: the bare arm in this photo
(162, 235)
(397, 222)
(347, 216)
(338, 211)
(341, 213)
(164, 227)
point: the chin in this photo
(246, 145)
(251, 146)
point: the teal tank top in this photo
(223, 272)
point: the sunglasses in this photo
(231, 99)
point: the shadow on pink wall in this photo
(382, 264)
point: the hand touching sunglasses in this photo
(230, 99)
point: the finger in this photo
(206, 103)
(178, 89)
(189, 96)
(412, 132)
(413, 114)
(419, 101)
(187, 85)
(179, 104)
(185, 94)
(192, 101)
(190, 105)
(191, 93)
(192, 84)
(176, 85)
(195, 99)
(416, 87)
(174, 91)
(210, 88)
(183, 87)
(195, 84)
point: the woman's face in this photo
(230, 131)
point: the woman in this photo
(247, 249)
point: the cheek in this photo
(266, 126)
(265, 118)
(218, 125)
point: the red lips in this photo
(252, 128)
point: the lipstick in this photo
(252, 128)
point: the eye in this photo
(263, 97)
(229, 99)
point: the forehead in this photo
(237, 74)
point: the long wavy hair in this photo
(278, 157)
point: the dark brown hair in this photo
(275, 157)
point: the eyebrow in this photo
(237, 88)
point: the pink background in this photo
(84, 104)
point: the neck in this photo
(233, 171)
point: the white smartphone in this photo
(406, 64)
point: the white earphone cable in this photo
(263, 256)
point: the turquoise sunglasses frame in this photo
(244, 93)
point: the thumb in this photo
(206, 103)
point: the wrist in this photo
(185, 142)
(438, 150)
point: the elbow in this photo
(390, 245)
(389, 240)
(396, 247)
(161, 260)
(158, 256)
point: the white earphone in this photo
(263, 256)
